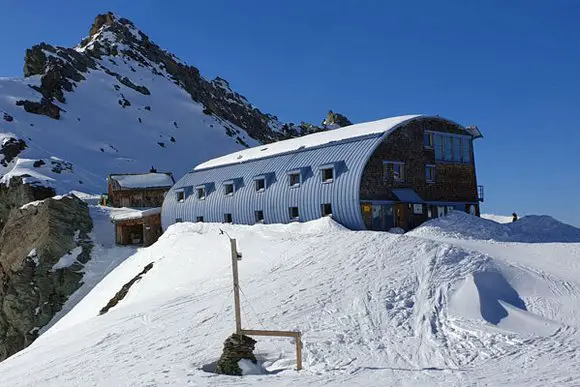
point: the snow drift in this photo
(529, 229)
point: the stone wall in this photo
(454, 182)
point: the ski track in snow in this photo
(374, 308)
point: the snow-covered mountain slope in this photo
(375, 309)
(118, 103)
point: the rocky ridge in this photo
(61, 69)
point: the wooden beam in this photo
(236, 286)
(296, 335)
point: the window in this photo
(438, 144)
(294, 215)
(430, 173)
(456, 149)
(259, 216)
(294, 179)
(326, 209)
(428, 140)
(466, 150)
(394, 170)
(327, 175)
(229, 189)
(200, 193)
(180, 196)
(178, 220)
(260, 184)
(227, 218)
(200, 219)
(447, 148)
(417, 209)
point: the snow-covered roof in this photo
(312, 140)
(125, 213)
(144, 180)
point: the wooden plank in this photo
(254, 332)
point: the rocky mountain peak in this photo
(335, 120)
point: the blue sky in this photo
(512, 68)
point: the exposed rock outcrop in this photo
(62, 68)
(17, 194)
(43, 247)
(335, 120)
(10, 148)
(236, 348)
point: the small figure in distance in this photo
(514, 217)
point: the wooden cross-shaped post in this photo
(236, 256)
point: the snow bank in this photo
(125, 213)
(497, 218)
(529, 229)
(374, 309)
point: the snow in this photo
(99, 137)
(34, 256)
(68, 259)
(497, 218)
(313, 140)
(145, 180)
(38, 202)
(529, 229)
(125, 213)
(375, 309)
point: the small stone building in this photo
(396, 172)
(139, 190)
(141, 195)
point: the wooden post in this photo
(236, 286)
(299, 352)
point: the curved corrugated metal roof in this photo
(347, 150)
(310, 141)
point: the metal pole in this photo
(236, 286)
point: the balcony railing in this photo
(480, 193)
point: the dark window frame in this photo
(326, 211)
(292, 211)
(199, 219)
(228, 218)
(323, 174)
(259, 219)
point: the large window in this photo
(451, 147)
(200, 193)
(466, 147)
(180, 196)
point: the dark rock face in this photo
(236, 348)
(44, 107)
(32, 288)
(18, 194)
(335, 120)
(11, 147)
(125, 289)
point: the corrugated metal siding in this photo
(342, 193)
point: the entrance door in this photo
(400, 215)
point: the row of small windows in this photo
(449, 147)
(395, 170)
(293, 212)
(327, 175)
